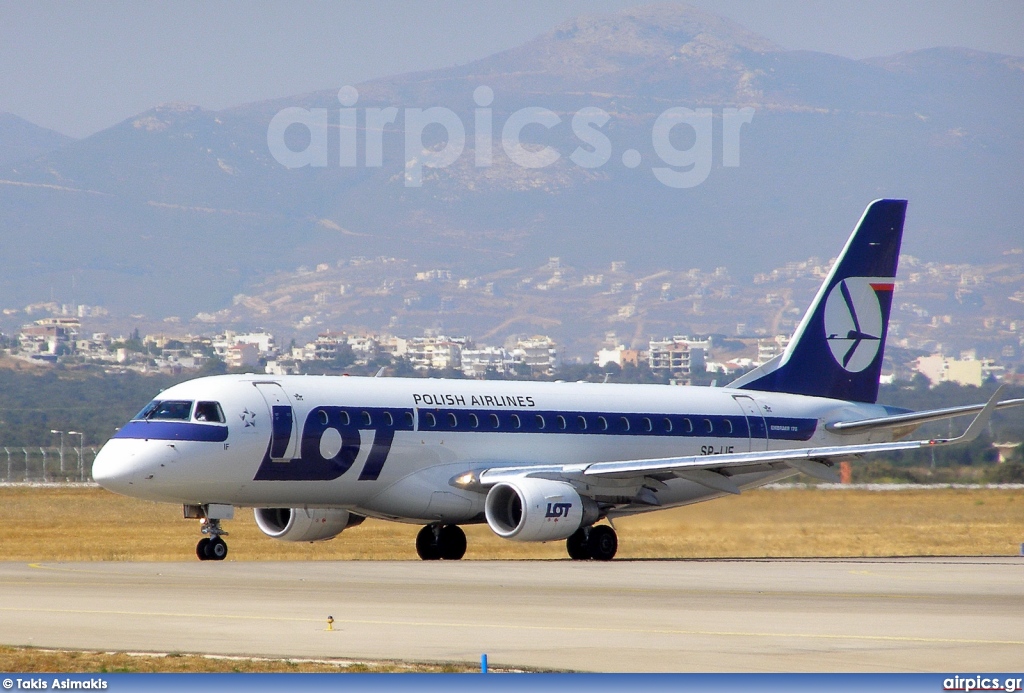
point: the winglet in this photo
(979, 422)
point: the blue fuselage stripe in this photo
(173, 430)
(514, 421)
(582, 423)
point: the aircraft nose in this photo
(116, 466)
(105, 468)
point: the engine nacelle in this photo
(537, 510)
(304, 524)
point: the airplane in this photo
(535, 461)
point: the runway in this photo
(892, 615)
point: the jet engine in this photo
(304, 524)
(537, 510)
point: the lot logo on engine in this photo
(558, 510)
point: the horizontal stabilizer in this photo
(915, 418)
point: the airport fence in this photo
(46, 465)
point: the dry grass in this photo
(31, 660)
(90, 524)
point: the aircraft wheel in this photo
(202, 549)
(451, 542)
(427, 545)
(217, 549)
(576, 545)
(602, 543)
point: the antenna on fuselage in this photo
(380, 373)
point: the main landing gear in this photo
(438, 541)
(212, 547)
(598, 542)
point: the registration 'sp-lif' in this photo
(536, 461)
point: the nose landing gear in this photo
(211, 547)
(215, 549)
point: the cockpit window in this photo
(169, 409)
(209, 411)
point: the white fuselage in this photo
(388, 447)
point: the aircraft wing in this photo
(714, 471)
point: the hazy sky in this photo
(79, 67)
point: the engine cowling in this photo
(537, 510)
(304, 524)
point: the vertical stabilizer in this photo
(837, 349)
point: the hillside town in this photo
(679, 358)
(950, 323)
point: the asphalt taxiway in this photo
(923, 614)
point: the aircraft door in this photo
(756, 424)
(284, 434)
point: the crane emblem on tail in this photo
(853, 321)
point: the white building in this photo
(677, 355)
(620, 356)
(538, 352)
(242, 356)
(263, 341)
(767, 349)
(476, 362)
(967, 370)
(438, 352)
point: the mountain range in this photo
(21, 140)
(176, 210)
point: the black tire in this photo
(452, 543)
(202, 549)
(576, 545)
(426, 544)
(602, 543)
(217, 549)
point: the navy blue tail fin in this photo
(836, 351)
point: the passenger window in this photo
(624, 422)
(494, 421)
(474, 421)
(728, 426)
(581, 422)
(708, 426)
(166, 410)
(388, 419)
(687, 426)
(648, 426)
(540, 422)
(408, 419)
(602, 423)
(209, 411)
(345, 420)
(516, 423)
(431, 419)
(323, 417)
(561, 421)
(668, 425)
(453, 421)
